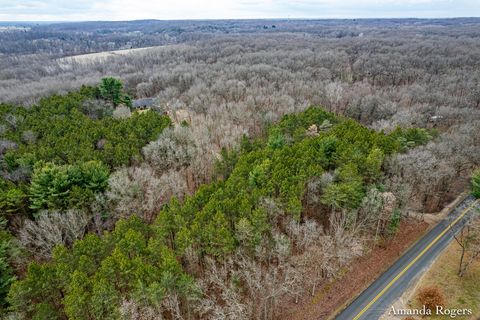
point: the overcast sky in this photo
(79, 10)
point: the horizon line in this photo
(245, 19)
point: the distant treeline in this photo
(64, 39)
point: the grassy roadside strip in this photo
(459, 292)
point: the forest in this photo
(158, 259)
(276, 153)
(71, 38)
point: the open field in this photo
(99, 56)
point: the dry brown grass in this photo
(458, 292)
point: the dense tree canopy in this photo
(476, 184)
(64, 152)
(65, 135)
(67, 186)
(141, 262)
(90, 280)
(6, 271)
(111, 89)
(57, 156)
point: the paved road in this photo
(376, 299)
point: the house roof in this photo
(145, 102)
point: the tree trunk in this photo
(460, 271)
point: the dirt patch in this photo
(362, 271)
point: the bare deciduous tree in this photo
(52, 228)
(174, 149)
(138, 190)
(469, 241)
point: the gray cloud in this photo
(165, 9)
(41, 7)
(367, 8)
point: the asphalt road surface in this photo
(382, 293)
